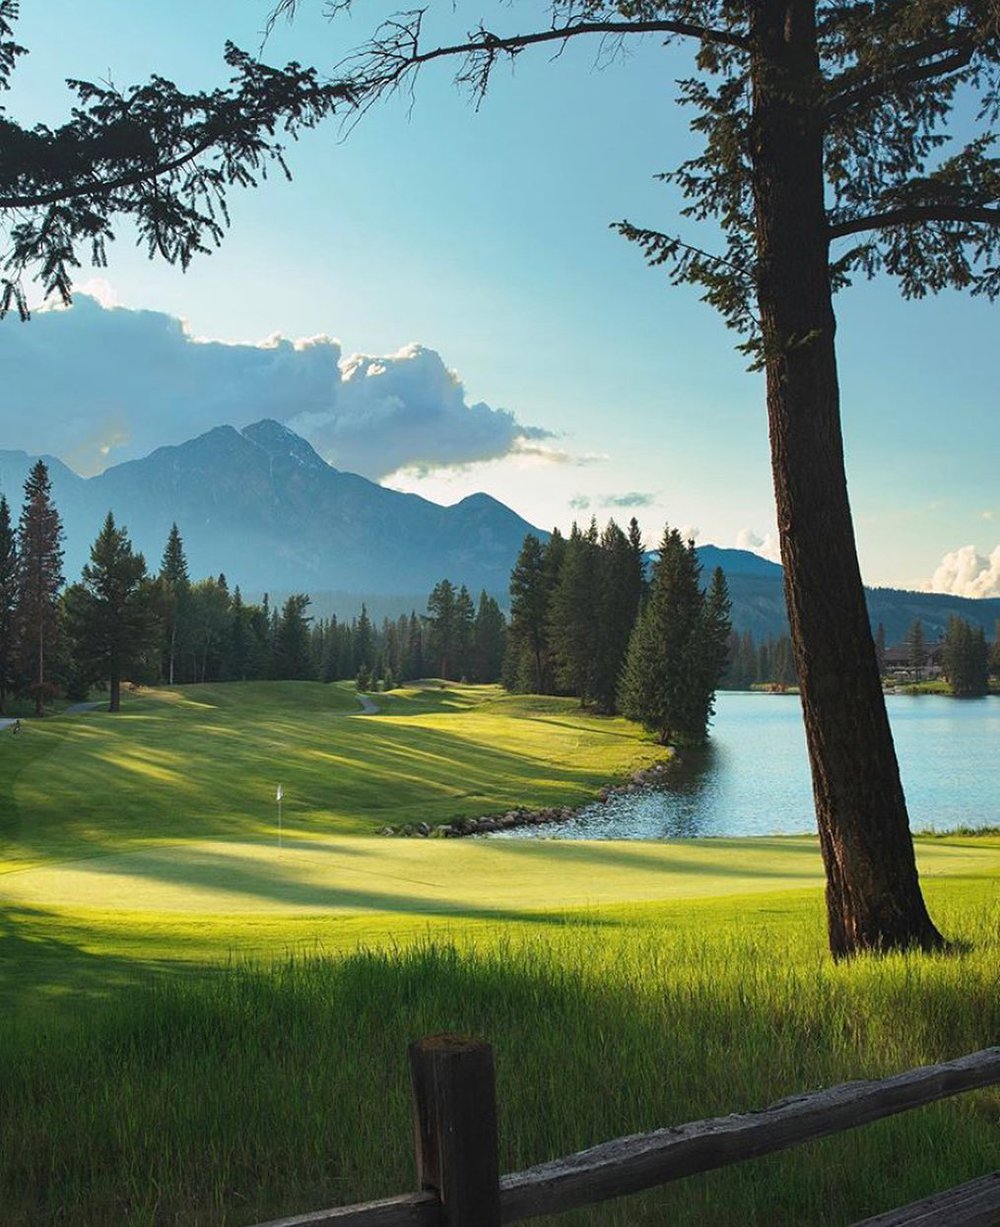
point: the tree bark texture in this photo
(873, 892)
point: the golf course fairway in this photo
(150, 839)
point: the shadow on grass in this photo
(252, 1094)
(43, 958)
(193, 867)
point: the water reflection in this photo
(753, 777)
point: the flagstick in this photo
(280, 795)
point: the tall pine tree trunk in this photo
(873, 893)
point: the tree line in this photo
(584, 622)
(765, 662)
(964, 656)
(122, 621)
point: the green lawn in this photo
(202, 1027)
(204, 761)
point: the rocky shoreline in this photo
(646, 780)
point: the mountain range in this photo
(262, 506)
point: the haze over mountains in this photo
(261, 505)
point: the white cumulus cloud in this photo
(98, 384)
(767, 546)
(965, 572)
(407, 410)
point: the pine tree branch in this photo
(909, 70)
(394, 53)
(915, 215)
(516, 42)
(106, 187)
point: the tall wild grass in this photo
(264, 1091)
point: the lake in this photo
(753, 777)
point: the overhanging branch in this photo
(400, 53)
(915, 215)
(515, 42)
(107, 187)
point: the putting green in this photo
(345, 875)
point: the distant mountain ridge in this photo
(261, 505)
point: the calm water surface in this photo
(753, 778)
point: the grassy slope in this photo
(205, 760)
(625, 986)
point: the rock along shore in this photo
(645, 780)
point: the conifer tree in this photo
(111, 614)
(363, 642)
(781, 662)
(465, 619)
(39, 579)
(916, 648)
(240, 649)
(572, 614)
(293, 658)
(741, 670)
(159, 158)
(712, 649)
(442, 626)
(8, 604)
(489, 639)
(666, 684)
(209, 624)
(414, 665)
(966, 659)
(175, 592)
(529, 609)
(257, 660)
(393, 649)
(346, 664)
(618, 594)
(329, 671)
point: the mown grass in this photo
(199, 1029)
(254, 1091)
(80, 929)
(204, 761)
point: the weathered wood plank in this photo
(455, 1103)
(410, 1210)
(631, 1164)
(974, 1204)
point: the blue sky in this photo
(482, 237)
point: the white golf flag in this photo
(280, 793)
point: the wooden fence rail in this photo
(457, 1165)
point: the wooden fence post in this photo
(454, 1091)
